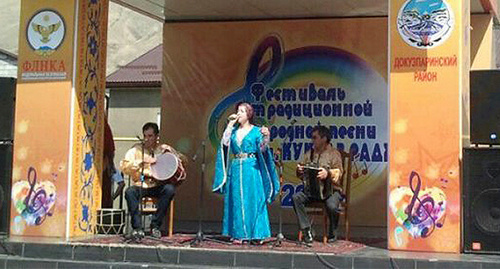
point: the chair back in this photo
(345, 178)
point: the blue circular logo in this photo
(425, 24)
(45, 32)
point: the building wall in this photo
(129, 109)
(8, 67)
(483, 48)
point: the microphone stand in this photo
(143, 218)
(132, 237)
(280, 238)
(200, 236)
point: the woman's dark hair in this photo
(151, 125)
(249, 108)
(323, 132)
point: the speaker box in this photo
(5, 186)
(7, 97)
(484, 107)
(481, 200)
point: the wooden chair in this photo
(319, 209)
(149, 208)
(347, 159)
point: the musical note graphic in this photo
(443, 183)
(365, 169)
(419, 210)
(259, 70)
(356, 165)
(33, 200)
(397, 235)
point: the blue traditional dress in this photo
(249, 182)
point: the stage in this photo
(112, 252)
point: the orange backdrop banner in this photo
(59, 118)
(426, 80)
(88, 117)
(40, 167)
(296, 74)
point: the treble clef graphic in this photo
(32, 182)
(423, 212)
(36, 206)
(409, 208)
(256, 73)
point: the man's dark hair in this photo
(151, 125)
(323, 132)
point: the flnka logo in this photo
(425, 24)
(45, 32)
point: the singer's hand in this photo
(265, 131)
(232, 119)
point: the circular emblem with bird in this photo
(45, 32)
(425, 24)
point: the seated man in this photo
(329, 163)
(137, 162)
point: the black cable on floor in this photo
(394, 265)
(324, 262)
(4, 246)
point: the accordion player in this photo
(320, 170)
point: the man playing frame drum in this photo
(155, 169)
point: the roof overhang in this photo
(213, 10)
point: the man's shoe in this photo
(256, 242)
(332, 239)
(156, 233)
(308, 237)
(138, 234)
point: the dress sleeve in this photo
(221, 165)
(226, 137)
(263, 141)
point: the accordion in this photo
(313, 187)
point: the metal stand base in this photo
(200, 238)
